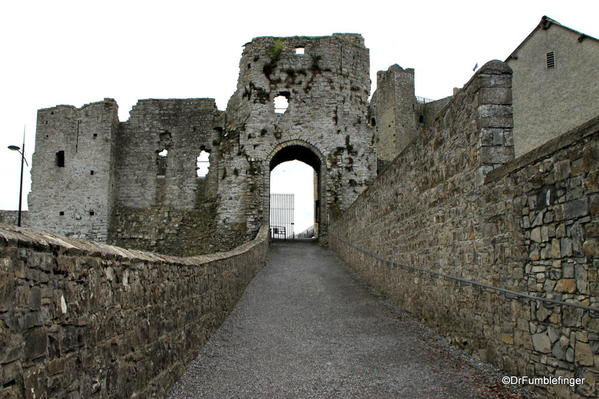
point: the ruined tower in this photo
(72, 175)
(324, 81)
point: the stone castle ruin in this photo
(135, 183)
(424, 200)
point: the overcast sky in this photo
(77, 52)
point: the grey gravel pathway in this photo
(306, 328)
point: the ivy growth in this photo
(276, 49)
(275, 53)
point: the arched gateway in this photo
(298, 150)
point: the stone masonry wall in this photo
(393, 114)
(72, 186)
(327, 89)
(431, 224)
(87, 320)
(11, 217)
(142, 190)
(179, 232)
(162, 205)
(182, 127)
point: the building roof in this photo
(545, 24)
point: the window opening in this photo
(203, 163)
(281, 103)
(161, 162)
(60, 159)
(300, 50)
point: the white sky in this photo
(77, 52)
(295, 177)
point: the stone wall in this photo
(11, 217)
(135, 184)
(393, 115)
(464, 243)
(326, 82)
(82, 320)
(161, 204)
(179, 232)
(184, 128)
(72, 175)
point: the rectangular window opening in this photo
(60, 159)
(300, 50)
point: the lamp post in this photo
(23, 160)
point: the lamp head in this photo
(14, 148)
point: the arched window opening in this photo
(161, 162)
(203, 164)
(281, 103)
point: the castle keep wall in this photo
(161, 203)
(80, 319)
(72, 174)
(446, 213)
(393, 112)
(182, 127)
(327, 89)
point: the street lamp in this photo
(23, 160)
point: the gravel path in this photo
(306, 328)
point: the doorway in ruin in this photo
(295, 202)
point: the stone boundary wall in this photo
(11, 217)
(87, 320)
(446, 215)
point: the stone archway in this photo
(303, 151)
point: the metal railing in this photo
(278, 232)
(509, 294)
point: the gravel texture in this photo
(306, 328)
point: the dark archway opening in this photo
(295, 191)
(296, 153)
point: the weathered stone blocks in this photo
(109, 322)
(135, 183)
(538, 204)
